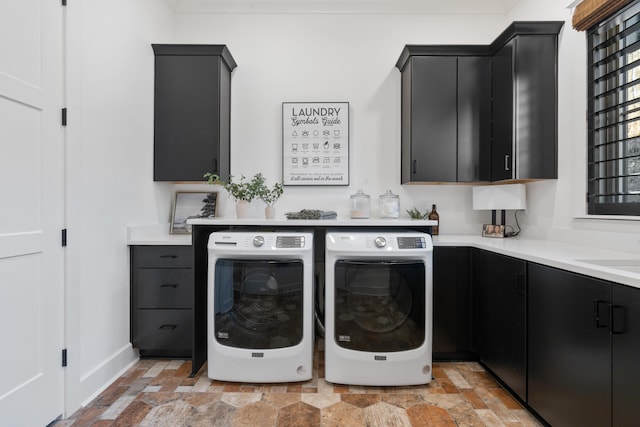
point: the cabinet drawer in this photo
(162, 256)
(163, 288)
(163, 330)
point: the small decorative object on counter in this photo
(360, 205)
(243, 192)
(270, 196)
(311, 214)
(433, 215)
(389, 205)
(416, 214)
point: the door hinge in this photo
(64, 357)
(64, 237)
(64, 117)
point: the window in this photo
(614, 114)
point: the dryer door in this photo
(379, 305)
(258, 304)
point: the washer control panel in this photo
(288, 242)
(411, 242)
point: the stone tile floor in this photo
(160, 393)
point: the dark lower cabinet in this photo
(570, 348)
(451, 303)
(162, 295)
(625, 329)
(499, 334)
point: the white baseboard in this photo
(102, 376)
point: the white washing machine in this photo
(378, 312)
(260, 306)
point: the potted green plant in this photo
(270, 196)
(243, 191)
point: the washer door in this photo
(258, 304)
(379, 305)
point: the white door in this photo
(31, 212)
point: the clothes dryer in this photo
(378, 313)
(260, 306)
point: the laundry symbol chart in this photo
(315, 138)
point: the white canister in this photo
(360, 205)
(389, 205)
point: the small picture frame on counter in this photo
(493, 230)
(189, 205)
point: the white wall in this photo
(109, 177)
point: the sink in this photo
(630, 265)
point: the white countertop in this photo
(336, 222)
(565, 256)
(155, 234)
(555, 254)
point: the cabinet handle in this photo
(521, 284)
(169, 285)
(507, 165)
(215, 165)
(618, 319)
(596, 313)
(169, 256)
(415, 166)
(170, 327)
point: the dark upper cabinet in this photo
(445, 116)
(524, 108)
(499, 329)
(474, 118)
(191, 111)
(481, 112)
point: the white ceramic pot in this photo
(242, 209)
(270, 212)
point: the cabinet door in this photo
(499, 316)
(502, 113)
(474, 118)
(187, 117)
(451, 302)
(536, 107)
(569, 348)
(433, 119)
(524, 144)
(626, 348)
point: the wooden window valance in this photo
(591, 12)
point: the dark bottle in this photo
(433, 215)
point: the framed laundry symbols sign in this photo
(315, 143)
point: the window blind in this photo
(591, 12)
(614, 114)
